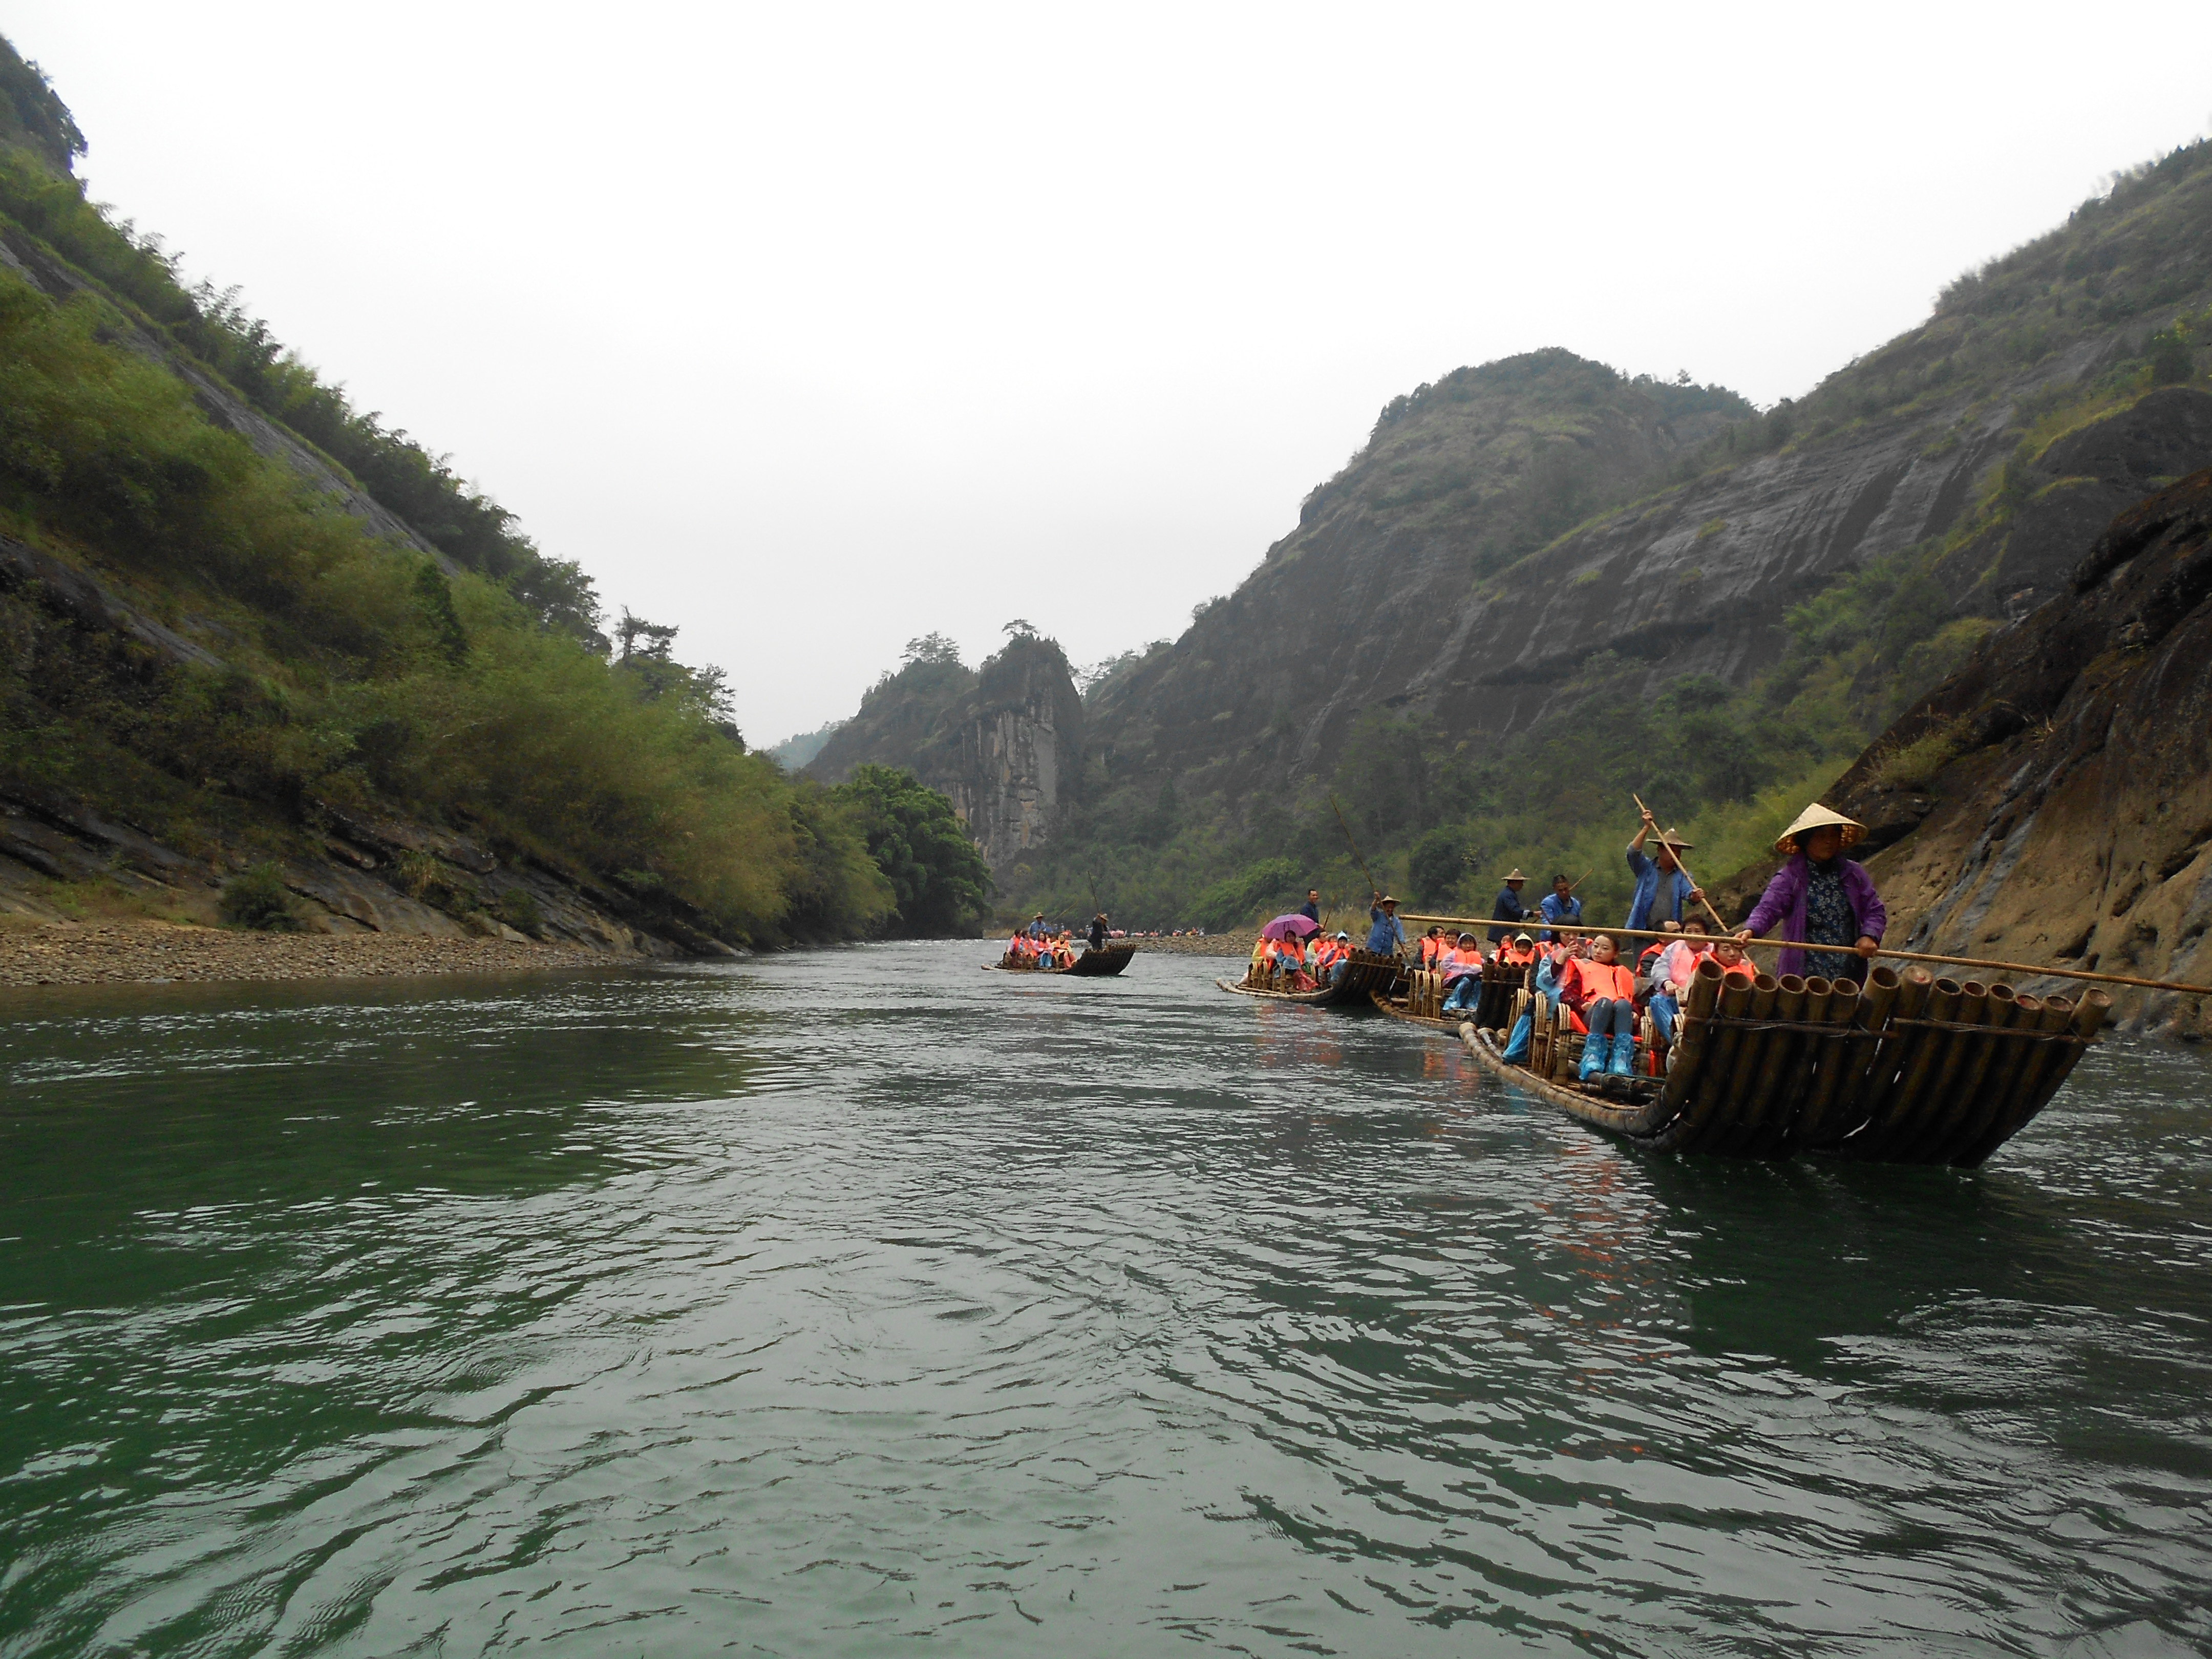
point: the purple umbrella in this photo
(1297, 926)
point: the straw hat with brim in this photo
(1517, 876)
(1673, 842)
(1817, 816)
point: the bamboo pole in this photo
(1998, 1092)
(1761, 1109)
(1844, 1061)
(2087, 1015)
(1352, 844)
(1892, 1048)
(1922, 1058)
(1708, 1090)
(1956, 1110)
(1816, 1084)
(1690, 1035)
(2023, 967)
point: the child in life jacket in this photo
(1603, 992)
(1461, 967)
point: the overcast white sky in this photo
(812, 328)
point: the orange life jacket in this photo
(1512, 956)
(1595, 979)
(1462, 957)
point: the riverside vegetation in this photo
(355, 632)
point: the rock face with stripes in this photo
(2052, 801)
(1004, 743)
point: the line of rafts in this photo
(1911, 1069)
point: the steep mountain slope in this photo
(1780, 587)
(1394, 588)
(2052, 800)
(1361, 606)
(253, 643)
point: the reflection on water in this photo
(819, 1304)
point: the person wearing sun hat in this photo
(1663, 889)
(1509, 910)
(1821, 898)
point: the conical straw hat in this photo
(1817, 816)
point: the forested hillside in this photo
(246, 629)
(1541, 585)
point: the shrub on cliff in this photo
(940, 884)
(258, 898)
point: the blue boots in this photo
(1595, 1057)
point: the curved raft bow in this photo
(1111, 959)
(1364, 974)
(1913, 1070)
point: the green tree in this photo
(939, 882)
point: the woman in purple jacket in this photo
(1821, 898)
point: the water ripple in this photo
(821, 1304)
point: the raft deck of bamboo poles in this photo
(1914, 1069)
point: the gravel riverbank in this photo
(93, 954)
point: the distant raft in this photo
(1111, 958)
(1913, 1070)
(1364, 974)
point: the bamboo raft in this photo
(1915, 1069)
(1419, 999)
(1365, 974)
(1111, 959)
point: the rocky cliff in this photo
(2052, 801)
(1006, 742)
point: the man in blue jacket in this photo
(1387, 936)
(1663, 888)
(1560, 904)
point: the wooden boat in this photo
(1366, 974)
(1913, 1070)
(1109, 959)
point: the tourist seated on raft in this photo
(1603, 994)
(1648, 958)
(1821, 898)
(1340, 956)
(1550, 966)
(1435, 947)
(1670, 974)
(1516, 953)
(1461, 967)
(1560, 904)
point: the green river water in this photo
(859, 1302)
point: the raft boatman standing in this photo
(1508, 911)
(1663, 888)
(1386, 936)
(1099, 931)
(1821, 898)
